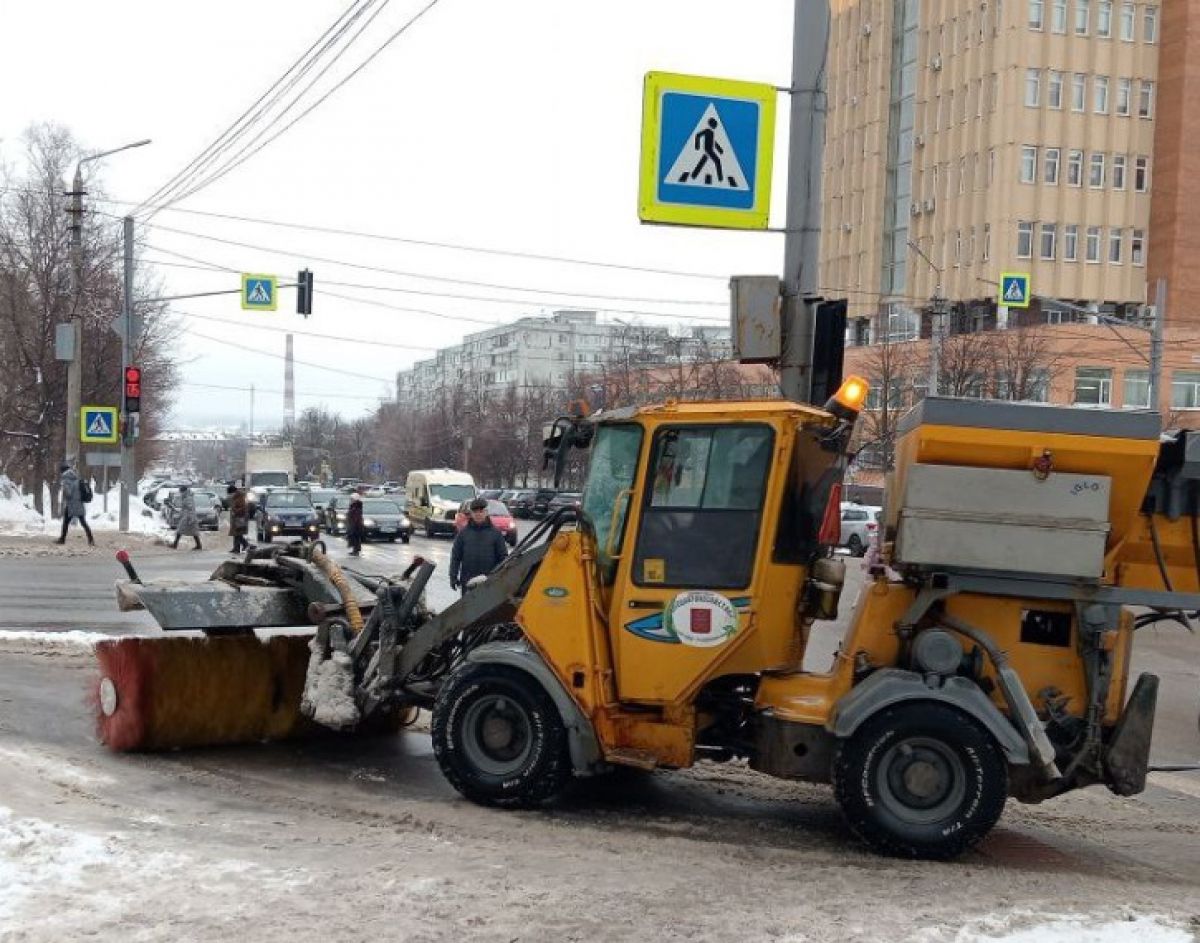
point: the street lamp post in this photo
(74, 366)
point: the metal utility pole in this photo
(937, 325)
(74, 368)
(1156, 341)
(806, 148)
(129, 334)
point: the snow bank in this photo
(16, 509)
(73, 637)
(18, 517)
(1025, 927)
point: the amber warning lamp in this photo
(848, 401)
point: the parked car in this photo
(286, 511)
(334, 519)
(564, 499)
(384, 519)
(541, 502)
(491, 494)
(860, 526)
(208, 509)
(499, 514)
(521, 502)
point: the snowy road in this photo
(364, 840)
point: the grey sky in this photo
(511, 125)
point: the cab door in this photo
(681, 603)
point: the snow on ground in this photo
(19, 518)
(16, 509)
(72, 637)
(1026, 927)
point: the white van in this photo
(434, 495)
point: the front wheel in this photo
(499, 738)
(405, 538)
(855, 546)
(920, 780)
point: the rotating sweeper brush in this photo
(371, 656)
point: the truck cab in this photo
(434, 497)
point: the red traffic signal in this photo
(133, 389)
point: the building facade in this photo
(550, 352)
(967, 138)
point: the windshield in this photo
(288, 499)
(265, 479)
(205, 497)
(606, 496)
(455, 493)
(380, 507)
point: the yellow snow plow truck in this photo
(665, 620)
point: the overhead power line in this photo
(241, 158)
(245, 121)
(259, 389)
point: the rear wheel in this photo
(920, 780)
(499, 738)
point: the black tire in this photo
(920, 780)
(405, 538)
(855, 546)
(391, 540)
(526, 760)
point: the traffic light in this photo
(133, 389)
(304, 292)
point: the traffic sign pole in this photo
(128, 339)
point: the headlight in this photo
(341, 516)
(405, 522)
(368, 522)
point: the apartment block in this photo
(967, 138)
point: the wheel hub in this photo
(497, 735)
(921, 780)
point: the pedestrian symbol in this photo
(706, 151)
(708, 159)
(98, 424)
(258, 292)
(1014, 289)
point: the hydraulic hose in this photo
(338, 578)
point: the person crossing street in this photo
(239, 518)
(478, 548)
(355, 529)
(188, 524)
(74, 505)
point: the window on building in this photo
(1136, 392)
(1118, 171)
(1124, 96)
(987, 241)
(1093, 386)
(979, 98)
(971, 247)
(962, 175)
(1150, 24)
(1145, 99)
(1050, 165)
(1114, 245)
(1054, 89)
(1093, 244)
(1185, 389)
(1037, 13)
(1028, 164)
(1096, 171)
(1137, 247)
(1058, 16)
(1127, 16)
(1033, 87)
(1083, 14)
(994, 92)
(1024, 240)
(1104, 19)
(1075, 168)
(958, 247)
(1100, 94)
(1049, 247)
(1070, 242)
(1079, 91)
(1141, 174)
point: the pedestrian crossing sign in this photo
(1014, 289)
(98, 424)
(259, 292)
(707, 147)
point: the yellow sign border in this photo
(650, 209)
(1028, 289)
(97, 440)
(273, 279)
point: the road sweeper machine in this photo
(666, 620)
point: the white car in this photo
(860, 526)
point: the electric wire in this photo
(237, 162)
(258, 389)
(227, 137)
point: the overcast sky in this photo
(508, 125)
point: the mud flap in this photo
(1128, 754)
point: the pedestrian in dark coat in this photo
(239, 518)
(73, 506)
(478, 548)
(355, 529)
(188, 524)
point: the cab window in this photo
(703, 506)
(605, 501)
